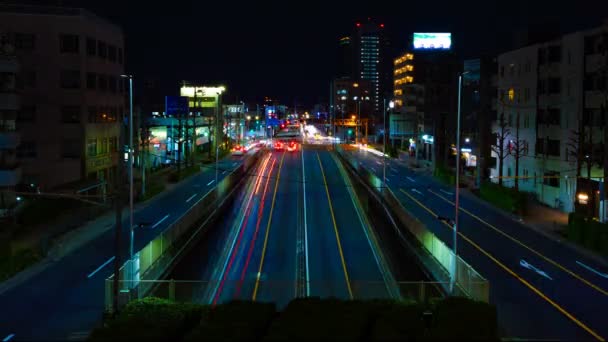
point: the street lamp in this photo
(219, 92)
(457, 192)
(131, 228)
(391, 105)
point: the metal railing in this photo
(151, 263)
(197, 291)
(469, 282)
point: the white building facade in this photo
(555, 90)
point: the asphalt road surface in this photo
(542, 289)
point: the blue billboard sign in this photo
(176, 105)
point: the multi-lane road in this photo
(542, 289)
(298, 231)
(66, 299)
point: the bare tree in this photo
(500, 146)
(517, 148)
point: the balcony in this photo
(9, 101)
(9, 140)
(10, 175)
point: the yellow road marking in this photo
(333, 218)
(551, 261)
(274, 196)
(511, 272)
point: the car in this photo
(278, 145)
(239, 150)
(292, 146)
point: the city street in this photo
(67, 297)
(299, 232)
(542, 289)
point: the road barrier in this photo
(434, 255)
(158, 257)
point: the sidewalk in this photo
(547, 221)
(75, 238)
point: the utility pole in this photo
(118, 202)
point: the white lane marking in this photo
(603, 275)
(525, 264)
(410, 179)
(190, 198)
(213, 180)
(224, 172)
(373, 169)
(445, 192)
(393, 169)
(378, 162)
(8, 338)
(414, 190)
(388, 180)
(96, 270)
(305, 228)
(234, 164)
(161, 221)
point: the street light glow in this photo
(391, 104)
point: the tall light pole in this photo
(391, 105)
(358, 103)
(131, 228)
(217, 133)
(457, 192)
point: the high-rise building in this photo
(550, 100)
(345, 62)
(372, 62)
(72, 95)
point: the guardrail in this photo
(154, 260)
(195, 290)
(438, 258)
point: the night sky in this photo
(287, 49)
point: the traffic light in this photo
(350, 131)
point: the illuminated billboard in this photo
(432, 41)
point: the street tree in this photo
(500, 146)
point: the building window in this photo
(551, 178)
(104, 146)
(553, 116)
(502, 71)
(25, 41)
(526, 95)
(8, 82)
(91, 47)
(113, 144)
(92, 114)
(92, 147)
(27, 149)
(69, 43)
(112, 84)
(554, 85)
(102, 49)
(540, 146)
(554, 54)
(70, 79)
(119, 55)
(26, 114)
(553, 147)
(70, 114)
(91, 80)
(102, 82)
(112, 53)
(70, 148)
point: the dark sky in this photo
(287, 49)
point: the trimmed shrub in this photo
(588, 233)
(462, 319)
(444, 174)
(151, 319)
(234, 321)
(505, 198)
(329, 319)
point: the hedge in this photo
(234, 321)
(505, 198)
(151, 319)
(588, 233)
(310, 319)
(14, 263)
